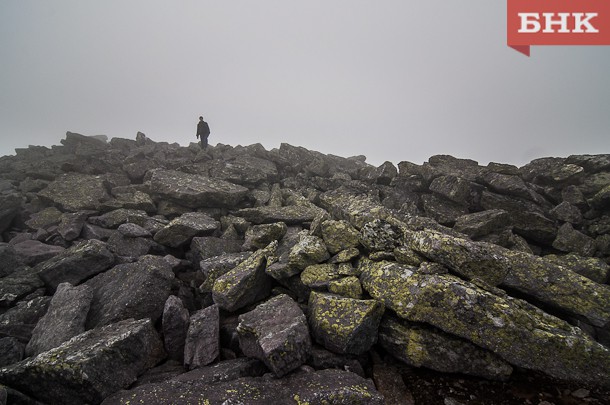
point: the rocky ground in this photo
(134, 271)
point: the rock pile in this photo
(141, 271)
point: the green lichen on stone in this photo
(319, 275)
(345, 256)
(339, 235)
(309, 250)
(347, 287)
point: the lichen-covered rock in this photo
(319, 275)
(71, 224)
(9, 207)
(443, 211)
(339, 235)
(452, 188)
(201, 346)
(206, 247)
(419, 346)
(592, 268)
(131, 247)
(259, 236)
(246, 283)
(182, 229)
(345, 256)
(570, 240)
(76, 192)
(17, 285)
(379, 235)
(356, 209)
(216, 266)
(601, 200)
(482, 223)
(133, 290)
(117, 217)
(195, 191)
(20, 320)
(76, 264)
(244, 170)
(406, 255)
(347, 287)
(89, 367)
(64, 319)
(309, 250)
(551, 171)
(566, 212)
(175, 323)
(335, 387)
(516, 331)
(531, 275)
(344, 325)
(44, 218)
(290, 215)
(276, 333)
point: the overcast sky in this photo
(389, 79)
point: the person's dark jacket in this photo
(203, 129)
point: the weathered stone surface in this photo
(276, 333)
(356, 209)
(290, 215)
(347, 287)
(566, 212)
(344, 325)
(531, 275)
(216, 266)
(44, 219)
(89, 367)
(246, 283)
(509, 327)
(75, 192)
(9, 261)
(482, 223)
(452, 188)
(320, 275)
(590, 267)
(9, 207)
(309, 250)
(182, 229)
(379, 235)
(11, 351)
(419, 346)
(195, 191)
(136, 200)
(339, 235)
(17, 285)
(244, 170)
(175, 323)
(601, 200)
(65, 318)
(32, 252)
(20, 320)
(206, 247)
(133, 290)
(570, 240)
(259, 236)
(71, 224)
(117, 217)
(201, 346)
(133, 231)
(507, 184)
(551, 171)
(132, 247)
(316, 388)
(76, 264)
(443, 211)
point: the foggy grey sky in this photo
(391, 80)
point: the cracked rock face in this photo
(193, 273)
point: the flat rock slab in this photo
(64, 319)
(276, 332)
(335, 387)
(74, 192)
(196, 191)
(344, 325)
(511, 328)
(133, 290)
(201, 346)
(33, 252)
(76, 264)
(89, 367)
(290, 215)
(182, 229)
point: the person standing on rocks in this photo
(203, 131)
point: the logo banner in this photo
(557, 22)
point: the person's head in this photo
(200, 118)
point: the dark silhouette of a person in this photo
(203, 131)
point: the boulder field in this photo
(134, 271)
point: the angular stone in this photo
(182, 229)
(89, 367)
(133, 290)
(379, 235)
(601, 200)
(246, 283)
(339, 235)
(206, 247)
(452, 188)
(9, 206)
(551, 171)
(482, 223)
(133, 231)
(443, 211)
(276, 333)
(509, 327)
(175, 323)
(319, 387)
(33, 252)
(17, 285)
(530, 275)
(566, 212)
(136, 200)
(356, 209)
(201, 346)
(344, 325)
(126, 246)
(20, 320)
(76, 264)
(71, 224)
(573, 241)
(195, 191)
(244, 170)
(420, 346)
(290, 215)
(11, 351)
(319, 275)
(309, 250)
(259, 236)
(507, 184)
(216, 266)
(75, 192)
(64, 319)
(117, 217)
(9, 260)
(44, 219)
(593, 268)
(345, 256)
(348, 287)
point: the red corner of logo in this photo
(524, 49)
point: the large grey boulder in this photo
(259, 236)
(420, 346)
(11, 351)
(9, 260)
(276, 333)
(216, 266)
(195, 191)
(89, 367)
(19, 321)
(76, 264)
(339, 235)
(18, 285)
(182, 229)
(245, 170)
(511, 328)
(9, 207)
(591, 267)
(175, 323)
(344, 325)
(75, 192)
(202, 338)
(335, 387)
(246, 283)
(64, 319)
(290, 215)
(33, 252)
(482, 223)
(570, 240)
(357, 209)
(133, 290)
(452, 188)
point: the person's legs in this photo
(204, 142)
